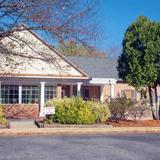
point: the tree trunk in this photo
(159, 111)
(151, 102)
(158, 107)
(156, 100)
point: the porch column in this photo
(71, 91)
(59, 91)
(102, 93)
(79, 89)
(20, 95)
(112, 90)
(0, 93)
(42, 90)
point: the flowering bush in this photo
(138, 109)
(118, 108)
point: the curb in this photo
(76, 131)
(75, 126)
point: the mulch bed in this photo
(140, 123)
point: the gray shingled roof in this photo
(96, 67)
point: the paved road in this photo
(107, 147)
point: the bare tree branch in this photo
(65, 19)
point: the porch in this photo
(25, 97)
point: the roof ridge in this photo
(92, 57)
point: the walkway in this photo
(19, 123)
(27, 130)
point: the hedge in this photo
(3, 120)
(77, 111)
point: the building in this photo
(46, 74)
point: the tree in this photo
(138, 63)
(60, 20)
(72, 48)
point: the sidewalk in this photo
(22, 124)
(76, 131)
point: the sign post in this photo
(49, 110)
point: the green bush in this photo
(118, 108)
(66, 111)
(77, 111)
(3, 120)
(1, 110)
(101, 111)
(85, 116)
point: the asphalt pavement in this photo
(81, 147)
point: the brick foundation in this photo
(21, 110)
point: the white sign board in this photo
(49, 110)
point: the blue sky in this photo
(116, 15)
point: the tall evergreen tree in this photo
(138, 64)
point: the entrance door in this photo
(85, 94)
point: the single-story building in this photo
(43, 73)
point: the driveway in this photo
(100, 147)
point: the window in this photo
(30, 94)
(50, 92)
(9, 93)
(128, 93)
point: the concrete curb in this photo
(76, 131)
(76, 126)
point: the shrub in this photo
(118, 108)
(137, 109)
(72, 111)
(77, 111)
(101, 111)
(85, 116)
(66, 112)
(1, 110)
(3, 120)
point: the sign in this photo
(49, 110)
